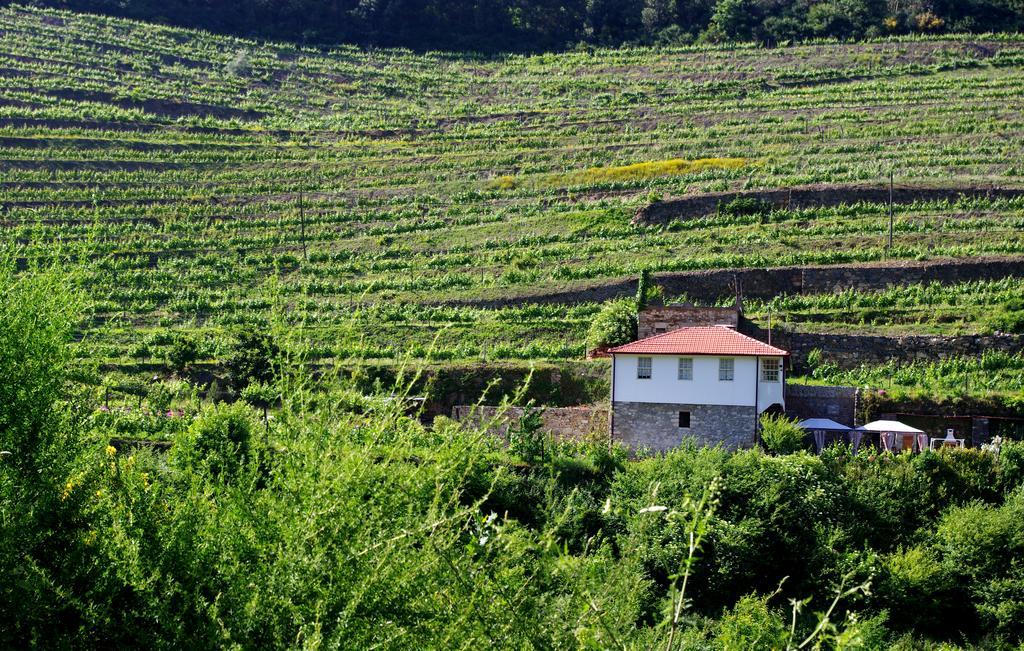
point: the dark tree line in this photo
(493, 25)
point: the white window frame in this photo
(644, 364)
(770, 374)
(685, 371)
(726, 369)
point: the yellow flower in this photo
(66, 493)
(111, 450)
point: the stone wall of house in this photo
(664, 318)
(564, 423)
(836, 402)
(655, 426)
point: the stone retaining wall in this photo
(836, 402)
(849, 351)
(564, 423)
(812, 196)
(710, 286)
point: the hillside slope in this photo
(188, 169)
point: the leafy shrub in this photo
(751, 624)
(1011, 465)
(777, 518)
(915, 584)
(526, 436)
(614, 325)
(745, 207)
(781, 435)
(220, 442)
(252, 359)
(183, 351)
(980, 546)
(239, 65)
(958, 476)
(1008, 319)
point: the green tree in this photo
(614, 325)
(733, 20)
(182, 352)
(252, 359)
(643, 288)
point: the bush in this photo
(980, 546)
(39, 447)
(183, 351)
(745, 207)
(614, 325)
(1011, 465)
(220, 442)
(526, 436)
(252, 359)
(914, 583)
(751, 624)
(1007, 320)
(781, 435)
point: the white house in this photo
(710, 383)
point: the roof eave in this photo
(615, 351)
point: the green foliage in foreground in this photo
(780, 435)
(358, 530)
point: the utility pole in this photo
(302, 225)
(890, 209)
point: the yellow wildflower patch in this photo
(616, 174)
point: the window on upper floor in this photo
(770, 370)
(643, 368)
(685, 368)
(726, 369)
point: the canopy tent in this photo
(893, 426)
(891, 431)
(824, 430)
(823, 423)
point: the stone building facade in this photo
(658, 319)
(655, 426)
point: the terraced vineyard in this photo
(384, 197)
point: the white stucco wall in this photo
(705, 388)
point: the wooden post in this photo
(890, 209)
(302, 223)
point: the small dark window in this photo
(684, 419)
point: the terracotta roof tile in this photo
(710, 340)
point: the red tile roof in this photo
(710, 340)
